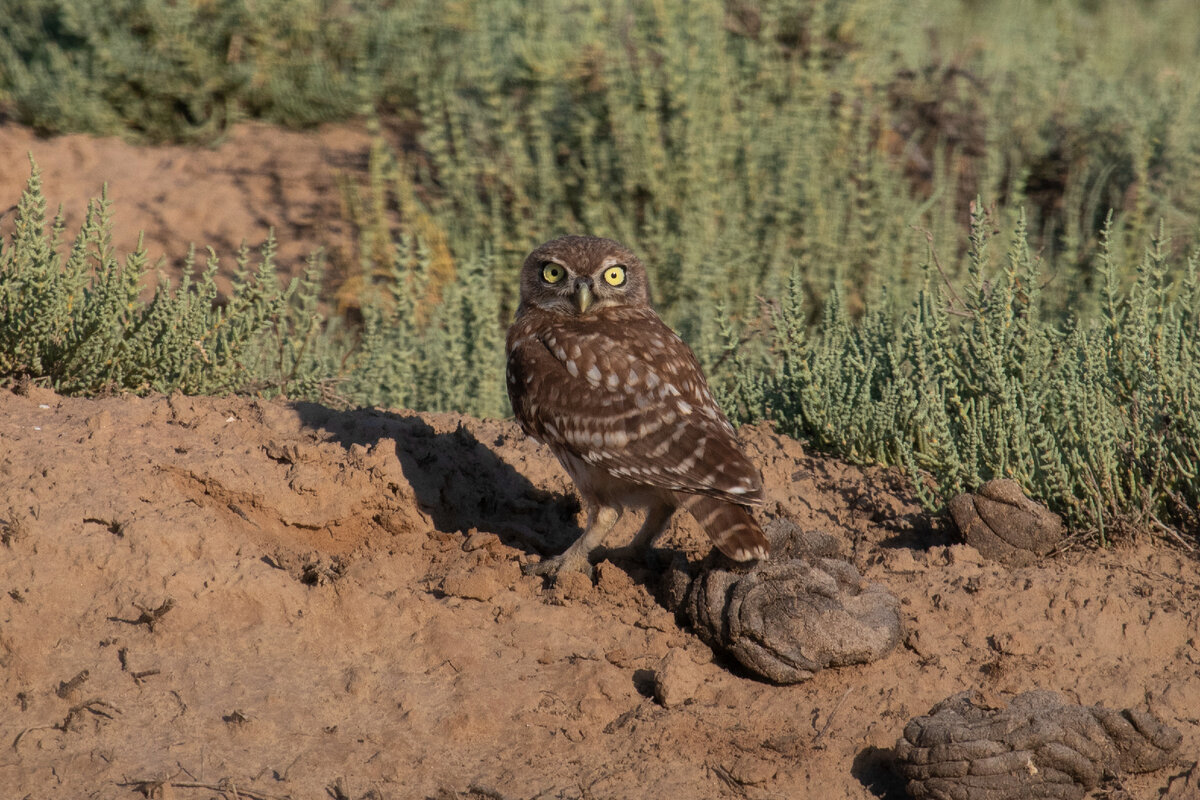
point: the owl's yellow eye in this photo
(614, 276)
(553, 273)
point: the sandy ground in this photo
(303, 603)
(257, 179)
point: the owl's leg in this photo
(601, 520)
(657, 518)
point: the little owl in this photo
(620, 399)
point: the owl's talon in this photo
(552, 568)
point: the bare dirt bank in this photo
(297, 602)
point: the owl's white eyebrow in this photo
(611, 261)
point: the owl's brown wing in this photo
(622, 392)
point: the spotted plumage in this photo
(621, 400)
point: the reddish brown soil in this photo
(257, 179)
(348, 610)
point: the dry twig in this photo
(937, 262)
(225, 787)
(149, 616)
(829, 719)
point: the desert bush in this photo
(92, 322)
(163, 70)
(732, 144)
(82, 324)
(1097, 417)
(448, 357)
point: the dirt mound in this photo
(257, 179)
(199, 595)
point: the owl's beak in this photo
(583, 297)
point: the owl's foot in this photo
(575, 558)
(552, 568)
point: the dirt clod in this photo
(677, 679)
(1038, 746)
(571, 587)
(796, 614)
(471, 584)
(1003, 524)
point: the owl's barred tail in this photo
(730, 526)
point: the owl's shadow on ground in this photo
(460, 482)
(463, 484)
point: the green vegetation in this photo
(79, 322)
(85, 324)
(1100, 419)
(799, 177)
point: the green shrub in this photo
(82, 323)
(1098, 417)
(88, 323)
(731, 145)
(451, 359)
(789, 132)
(165, 70)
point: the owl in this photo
(622, 402)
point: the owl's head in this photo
(579, 275)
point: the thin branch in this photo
(829, 719)
(226, 787)
(937, 262)
(1174, 534)
(149, 616)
